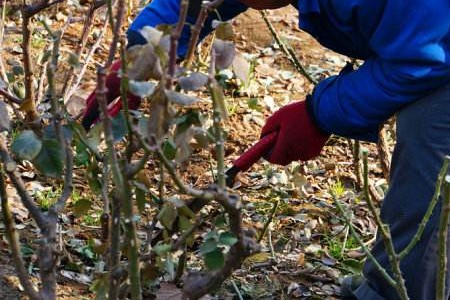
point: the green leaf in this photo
(161, 248)
(193, 82)
(50, 160)
(208, 246)
(73, 60)
(225, 52)
(214, 260)
(167, 216)
(142, 88)
(180, 99)
(26, 145)
(241, 68)
(224, 30)
(141, 198)
(169, 149)
(81, 207)
(18, 70)
(119, 126)
(92, 172)
(227, 238)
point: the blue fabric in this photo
(405, 45)
(167, 11)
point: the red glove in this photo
(298, 137)
(92, 112)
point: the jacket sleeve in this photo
(411, 46)
(167, 12)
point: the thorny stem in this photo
(114, 239)
(217, 123)
(57, 119)
(196, 30)
(117, 29)
(429, 212)
(29, 104)
(288, 51)
(443, 238)
(184, 5)
(394, 258)
(123, 197)
(13, 241)
(124, 88)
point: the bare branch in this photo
(14, 245)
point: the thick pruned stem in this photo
(429, 212)
(13, 241)
(288, 51)
(385, 234)
(443, 240)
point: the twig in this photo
(79, 76)
(117, 29)
(267, 224)
(2, 34)
(196, 30)
(428, 213)
(13, 240)
(89, 21)
(383, 153)
(288, 51)
(10, 97)
(385, 235)
(443, 237)
(236, 289)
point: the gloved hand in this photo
(92, 111)
(298, 136)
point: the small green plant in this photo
(47, 198)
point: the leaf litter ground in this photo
(306, 247)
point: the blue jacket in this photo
(405, 46)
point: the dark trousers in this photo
(423, 140)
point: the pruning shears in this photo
(250, 157)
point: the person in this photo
(405, 46)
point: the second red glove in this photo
(298, 136)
